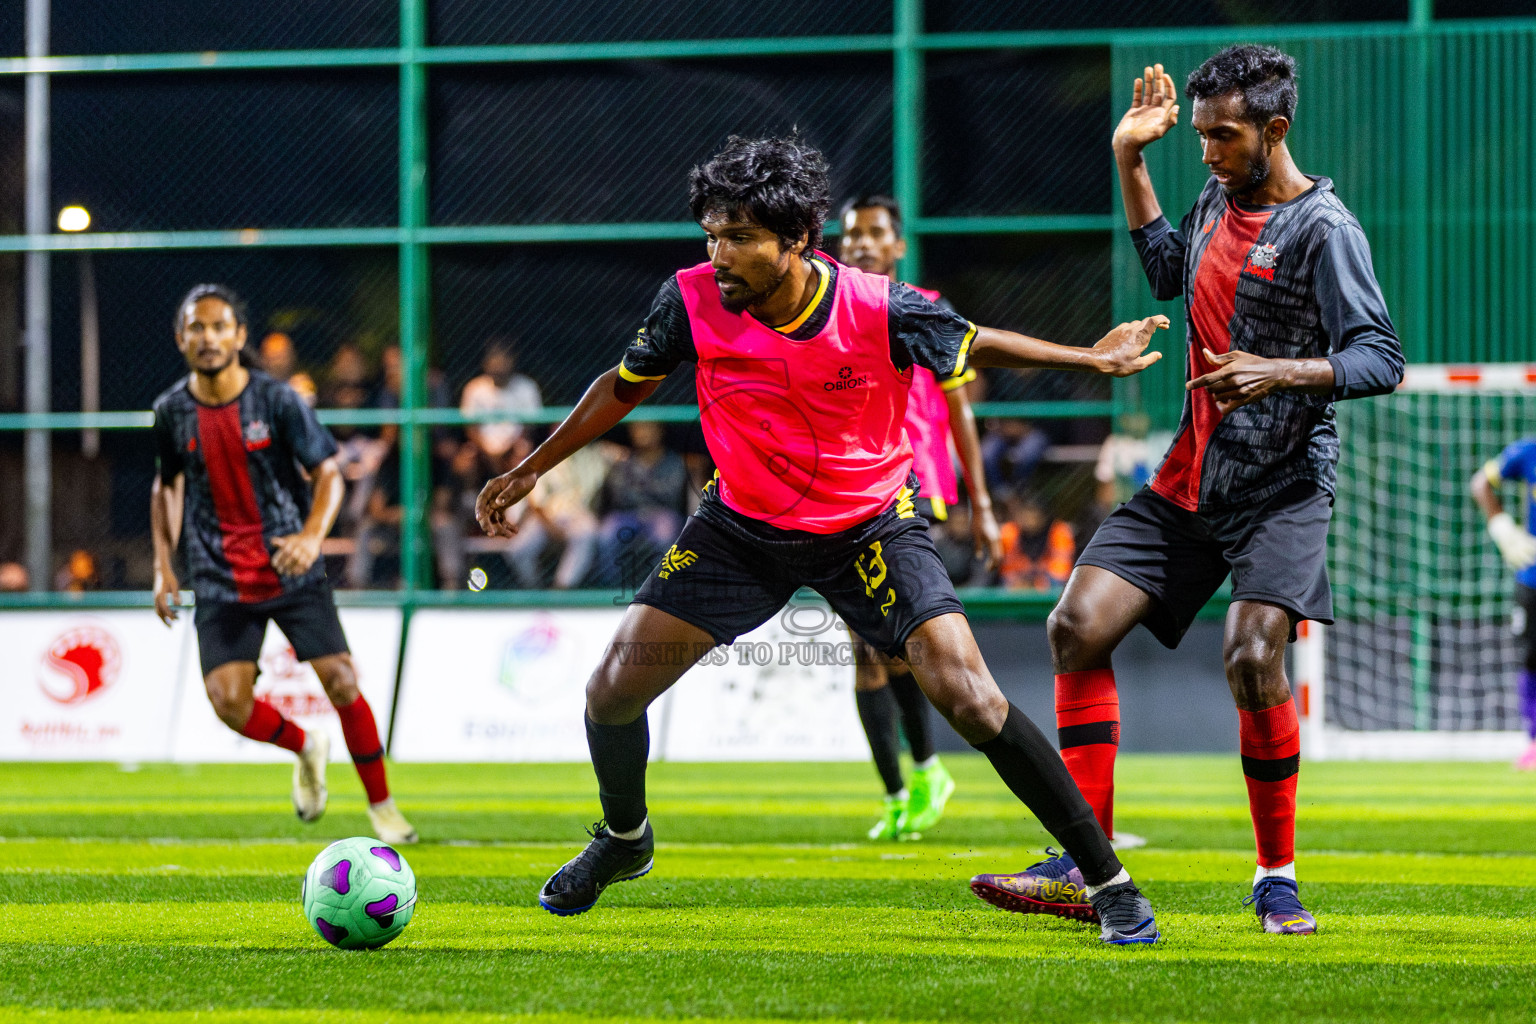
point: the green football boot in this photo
(889, 825)
(931, 790)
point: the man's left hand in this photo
(1241, 378)
(294, 554)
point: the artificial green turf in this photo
(171, 893)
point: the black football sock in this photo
(1030, 766)
(619, 754)
(914, 715)
(878, 711)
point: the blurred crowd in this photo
(604, 517)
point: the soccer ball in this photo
(359, 893)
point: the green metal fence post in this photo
(907, 128)
(1416, 343)
(415, 284)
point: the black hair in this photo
(222, 292)
(229, 297)
(873, 201)
(1264, 76)
(780, 182)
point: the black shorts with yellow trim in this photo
(728, 573)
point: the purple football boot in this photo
(1052, 886)
(1277, 901)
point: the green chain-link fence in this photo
(424, 176)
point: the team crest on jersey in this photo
(1261, 262)
(257, 436)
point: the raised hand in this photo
(498, 495)
(1123, 351)
(1154, 110)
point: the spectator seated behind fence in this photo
(375, 560)
(559, 516)
(642, 506)
(500, 389)
(14, 578)
(1038, 552)
(360, 452)
(1011, 450)
(489, 449)
(78, 574)
(281, 360)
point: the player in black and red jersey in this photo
(234, 447)
(1285, 318)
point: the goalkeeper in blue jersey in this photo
(1518, 547)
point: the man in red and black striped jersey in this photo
(234, 448)
(1285, 318)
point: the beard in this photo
(746, 296)
(1258, 174)
(215, 370)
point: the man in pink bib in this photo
(873, 241)
(803, 368)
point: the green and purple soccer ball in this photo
(359, 893)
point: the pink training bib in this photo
(928, 430)
(807, 435)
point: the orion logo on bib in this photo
(846, 380)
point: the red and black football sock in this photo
(362, 736)
(1030, 766)
(1270, 741)
(268, 725)
(1088, 731)
(619, 754)
(877, 713)
(914, 714)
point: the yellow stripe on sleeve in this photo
(951, 383)
(1493, 472)
(965, 349)
(634, 378)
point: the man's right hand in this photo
(498, 495)
(1123, 351)
(167, 595)
(1154, 110)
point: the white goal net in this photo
(1421, 661)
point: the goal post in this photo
(1420, 663)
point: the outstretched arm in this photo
(607, 401)
(1120, 353)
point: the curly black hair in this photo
(1265, 77)
(780, 182)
